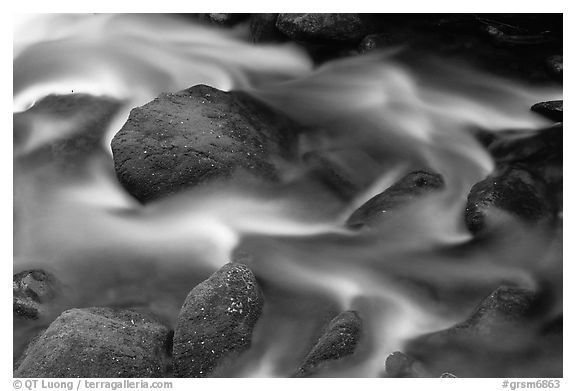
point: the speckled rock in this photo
(339, 340)
(33, 290)
(186, 138)
(326, 27)
(216, 321)
(551, 109)
(502, 338)
(513, 190)
(414, 185)
(98, 342)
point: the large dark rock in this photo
(412, 186)
(512, 190)
(551, 109)
(338, 340)
(98, 342)
(216, 321)
(326, 27)
(186, 138)
(502, 338)
(33, 291)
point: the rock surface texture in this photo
(412, 186)
(216, 321)
(98, 342)
(514, 190)
(325, 27)
(551, 109)
(183, 139)
(32, 292)
(339, 340)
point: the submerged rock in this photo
(216, 321)
(512, 190)
(339, 340)
(501, 338)
(551, 109)
(183, 139)
(326, 27)
(33, 290)
(98, 342)
(412, 186)
(345, 172)
(81, 120)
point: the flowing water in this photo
(412, 274)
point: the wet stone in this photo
(539, 152)
(500, 338)
(263, 28)
(412, 186)
(336, 171)
(82, 121)
(33, 290)
(551, 109)
(320, 28)
(227, 19)
(98, 342)
(216, 322)
(339, 340)
(188, 138)
(554, 64)
(399, 364)
(513, 190)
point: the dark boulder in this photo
(512, 190)
(216, 321)
(186, 138)
(551, 109)
(412, 186)
(321, 28)
(98, 342)
(33, 291)
(338, 340)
